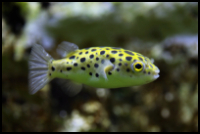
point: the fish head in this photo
(145, 70)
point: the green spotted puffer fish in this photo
(101, 67)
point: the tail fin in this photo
(38, 68)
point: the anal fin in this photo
(70, 88)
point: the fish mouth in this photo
(156, 76)
(156, 73)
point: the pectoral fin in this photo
(105, 67)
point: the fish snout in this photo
(156, 73)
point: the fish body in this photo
(102, 67)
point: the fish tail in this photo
(38, 68)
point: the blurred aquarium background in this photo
(166, 32)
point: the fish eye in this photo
(137, 66)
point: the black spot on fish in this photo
(88, 65)
(120, 64)
(52, 68)
(83, 68)
(96, 65)
(49, 74)
(102, 52)
(120, 59)
(91, 56)
(128, 58)
(97, 75)
(75, 64)
(90, 73)
(93, 50)
(61, 71)
(77, 57)
(86, 52)
(102, 61)
(112, 60)
(120, 54)
(82, 59)
(126, 64)
(109, 73)
(107, 55)
(80, 53)
(149, 73)
(118, 70)
(69, 68)
(128, 70)
(140, 58)
(107, 49)
(130, 53)
(72, 57)
(114, 52)
(97, 58)
(134, 60)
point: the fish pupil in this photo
(138, 66)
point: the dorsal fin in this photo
(65, 48)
